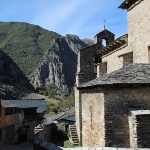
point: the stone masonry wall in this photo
(93, 119)
(138, 38)
(86, 65)
(30, 132)
(118, 103)
(139, 30)
(105, 114)
(78, 113)
(85, 73)
(114, 61)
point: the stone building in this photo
(112, 99)
(18, 118)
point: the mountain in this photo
(12, 79)
(59, 64)
(88, 41)
(25, 43)
(45, 57)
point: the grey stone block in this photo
(85, 148)
(109, 148)
(99, 148)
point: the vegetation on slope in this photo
(63, 103)
(25, 43)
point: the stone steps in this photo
(73, 135)
(38, 128)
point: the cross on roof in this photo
(104, 23)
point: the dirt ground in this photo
(49, 101)
(23, 146)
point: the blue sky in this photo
(83, 18)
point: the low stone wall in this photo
(40, 144)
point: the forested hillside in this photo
(25, 43)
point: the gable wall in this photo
(139, 31)
(138, 38)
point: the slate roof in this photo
(63, 115)
(131, 74)
(39, 104)
(70, 118)
(50, 119)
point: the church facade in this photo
(112, 99)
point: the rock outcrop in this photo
(59, 64)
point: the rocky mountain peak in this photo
(59, 64)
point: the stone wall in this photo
(30, 131)
(138, 31)
(114, 61)
(104, 35)
(118, 103)
(86, 65)
(85, 73)
(78, 113)
(93, 119)
(12, 134)
(138, 38)
(105, 115)
(40, 144)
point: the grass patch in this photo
(68, 144)
(52, 113)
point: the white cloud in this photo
(53, 16)
(81, 17)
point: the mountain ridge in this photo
(59, 64)
(25, 43)
(46, 57)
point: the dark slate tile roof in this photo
(39, 104)
(70, 118)
(65, 114)
(131, 74)
(50, 119)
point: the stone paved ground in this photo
(23, 146)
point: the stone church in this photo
(112, 98)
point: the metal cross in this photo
(104, 23)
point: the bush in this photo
(51, 110)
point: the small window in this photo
(103, 68)
(127, 58)
(104, 43)
(95, 69)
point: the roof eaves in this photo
(124, 5)
(127, 5)
(119, 42)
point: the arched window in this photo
(104, 43)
